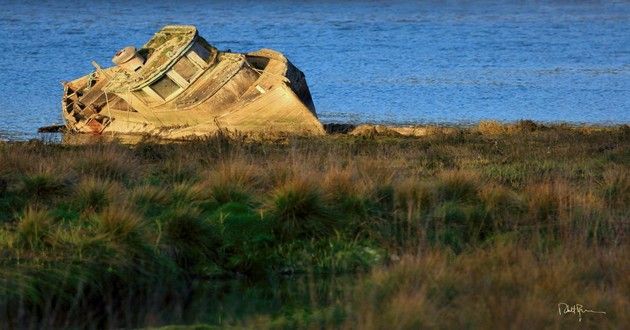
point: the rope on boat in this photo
(90, 80)
(108, 110)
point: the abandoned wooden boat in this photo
(179, 86)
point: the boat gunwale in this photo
(124, 85)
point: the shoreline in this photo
(55, 133)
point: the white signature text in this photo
(564, 308)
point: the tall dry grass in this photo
(488, 227)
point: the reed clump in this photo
(487, 227)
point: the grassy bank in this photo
(487, 227)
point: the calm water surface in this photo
(393, 62)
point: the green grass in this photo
(299, 210)
(487, 227)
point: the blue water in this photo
(388, 62)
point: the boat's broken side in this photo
(178, 86)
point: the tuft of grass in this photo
(149, 199)
(119, 223)
(615, 186)
(544, 201)
(502, 204)
(300, 210)
(500, 200)
(341, 182)
(122, 238)
(19, 159)
(110, 161)
(491, 127)
(235, 181)
(188, 193)
(455, 225)
(92, 194)
(348, 195)
(192, 240)
(176, 170)
(375, 173)
(414, 195)
(43, 183)
(34, 229)
(525, 125)
(457, 185)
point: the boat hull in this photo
(259, 93)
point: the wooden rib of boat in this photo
(179, 86)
